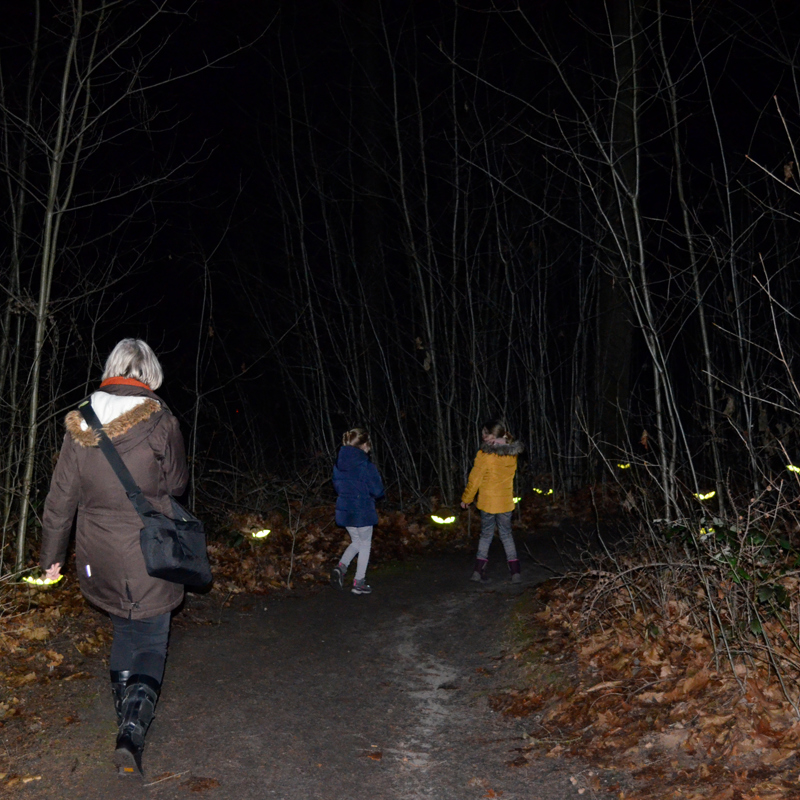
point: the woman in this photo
(109, 560)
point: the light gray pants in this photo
(360, 544)
(503, 522)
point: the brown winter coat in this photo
(109, 558)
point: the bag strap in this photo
(132, 490)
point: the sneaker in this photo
(360, 587)
(337, 577)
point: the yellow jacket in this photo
(492, 478)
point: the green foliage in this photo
(748, 561)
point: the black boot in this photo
(119, 681)
(514, 569)
(138, 710)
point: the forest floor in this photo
(300, 695)
(431, 687)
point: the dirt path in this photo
(322, 695)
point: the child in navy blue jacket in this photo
(358, 485)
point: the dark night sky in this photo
(231, 123)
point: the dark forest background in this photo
(580, 216)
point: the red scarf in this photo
(124, 382)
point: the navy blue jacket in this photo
(358, 485)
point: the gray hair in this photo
(133, 358)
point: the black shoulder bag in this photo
(174, 549)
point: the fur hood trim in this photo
(512, 449)
(117, 427)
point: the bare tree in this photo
(80, 127)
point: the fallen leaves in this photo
(688, 686)
(39, 629)
(9, 780)
(34, 633)
(20, 680)
(308, 551)
(644, 694)
(53, 659)
(88, 644)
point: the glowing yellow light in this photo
(704, 532)
(261, 534)
(42, 581)
(542, 491)
(792, 468)
(517, 499)
(624, 466)
(706, 496)
(443, 520)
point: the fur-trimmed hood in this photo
(511, 449)
(117, 426)
(86, 493)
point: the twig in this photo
(166, 778)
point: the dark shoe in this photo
(337, 578)
(128, 758)
(514, 569)
(479, 573)
(138, 710)
(119, 681)
(360, 587)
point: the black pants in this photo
(140, 645)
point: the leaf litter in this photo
(648, 695)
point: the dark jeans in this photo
(140, 645)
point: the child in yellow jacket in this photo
(492, 479)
